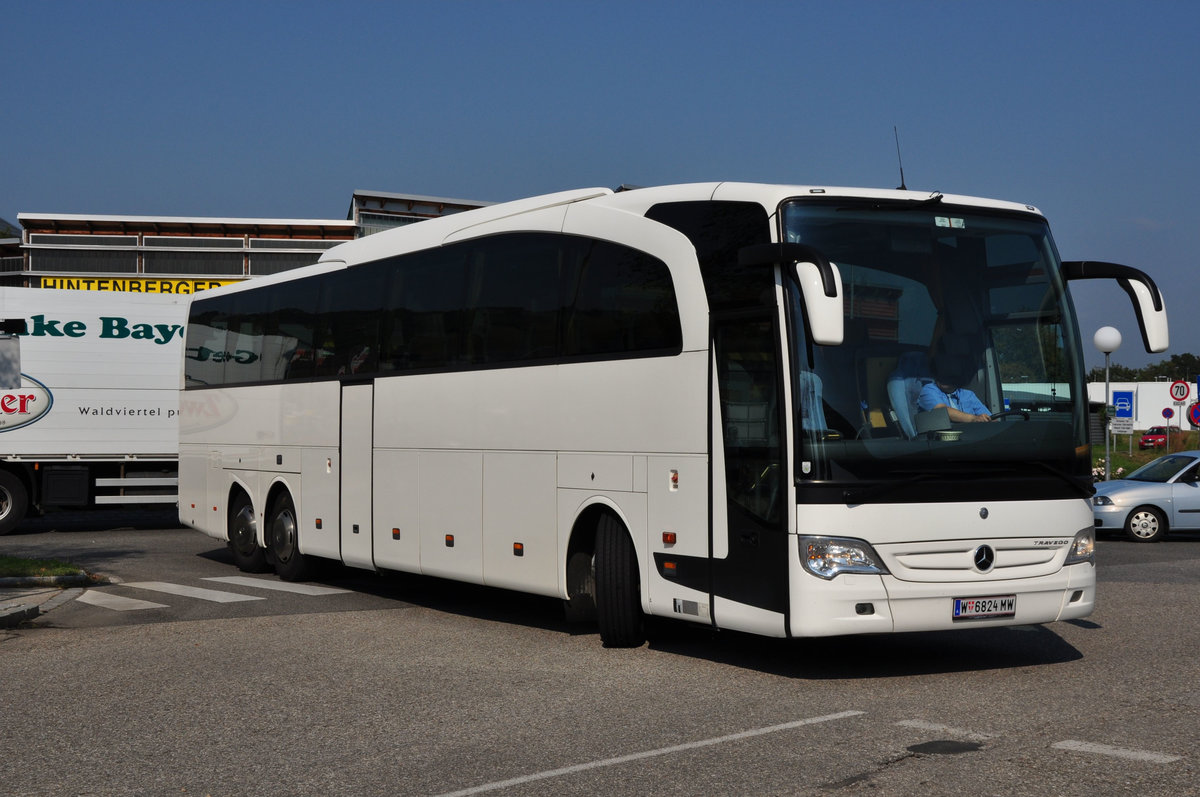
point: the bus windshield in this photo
(960, 361)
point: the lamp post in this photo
(1107, 340)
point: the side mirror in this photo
(1147, 299)
(819, 280)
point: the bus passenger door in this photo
(749, 564)
(357, 441)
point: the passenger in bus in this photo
(950, 373)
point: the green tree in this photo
(1177, 366)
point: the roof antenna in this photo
(896, 133)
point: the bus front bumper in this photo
(867, 604)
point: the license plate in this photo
(994, 606)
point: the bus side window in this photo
(624, 304)
(513, 298)
(244, 348)
(351, 304)
(207, 333)
(425, 311)
(289, 326)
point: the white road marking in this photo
(216, 596)
(118, 603)
(608, 762)
(1115, 752)
(279, 586)
(974, 736)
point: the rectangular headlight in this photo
(828, 557)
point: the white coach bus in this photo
(696, 401)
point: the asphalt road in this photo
(402, 685)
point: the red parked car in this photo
(1155, 437)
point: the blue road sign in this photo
(1168, 413)
(1123, 403)
(1193, 414)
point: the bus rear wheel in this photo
(284, 539)
(14, 501)
(243, 537)
(618, 587)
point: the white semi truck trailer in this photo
(89, 399)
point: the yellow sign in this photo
(133, 284)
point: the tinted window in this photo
(514, 296)
(624, 303)
(244, 343)
(502, 300)
(204, 362)
(291, 316)
(425, 321)
(719, 230)
(348, 327)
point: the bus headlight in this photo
(1083, 548)
(828, 557)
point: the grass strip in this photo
(17, 567)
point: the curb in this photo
(12, 616)
(71, 588)
(80, 580)
(15, 615)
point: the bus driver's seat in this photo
(904, 385)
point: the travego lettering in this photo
(110, 327)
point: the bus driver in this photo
(946, 390)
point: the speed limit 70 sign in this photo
(1180, 390)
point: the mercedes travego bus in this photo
(732, 404)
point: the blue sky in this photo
(1088, 110)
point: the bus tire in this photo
(580, 606)
(284, 539)
(248, 555)
(14, 501)
(618, 587)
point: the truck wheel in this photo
(243, 537)
(13, 502)
(284, 538)
(618, 588)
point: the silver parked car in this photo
(1160, 495)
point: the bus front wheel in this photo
(284, 531)
(618, 588)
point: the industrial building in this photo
(178, 254)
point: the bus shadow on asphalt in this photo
(100, 519)
(840, 658)
(836, 658)
(874, 656)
